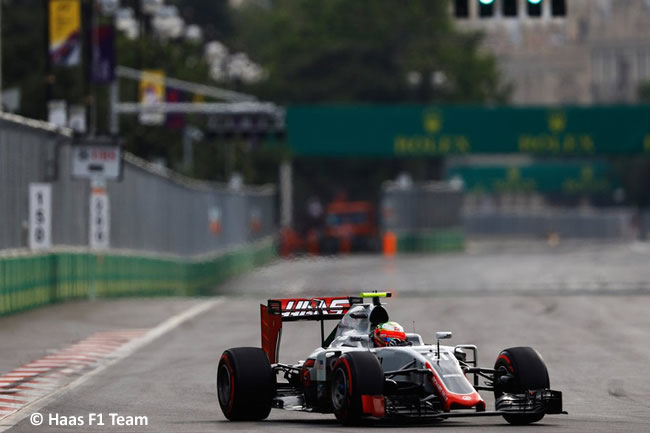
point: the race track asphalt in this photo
(594, 337)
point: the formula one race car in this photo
(402, 379)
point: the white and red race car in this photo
(356, 381)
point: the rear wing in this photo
(299, 309)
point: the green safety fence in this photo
(27, 281)
(431, 241)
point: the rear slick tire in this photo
(529, 372)
(245, 384)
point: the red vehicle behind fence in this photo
(348, 226)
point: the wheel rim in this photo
(224, 385)
(339, 389)
(502, 370)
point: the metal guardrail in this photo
(152, 209)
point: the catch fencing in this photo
(169, 234)
(424, 217)
(152, 209)
(570, 223)
(434, 217)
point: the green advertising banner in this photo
(408, 130)
(543, 177)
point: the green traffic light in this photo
(535, 2)
(488, 2)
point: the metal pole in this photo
(188, 160)
(286, 193)
(114, 91)
(188, 86)
(94, 42)
(49, 77)
(1, 107)
(87, 7)
(114, 121)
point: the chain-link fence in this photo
(27, 154)
(151, 209)
(417, 210)
(572, 223)
(426, 206)
(424, 217)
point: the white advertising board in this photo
(92, 161)
(57, 113)
(77, 118)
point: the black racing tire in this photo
(354, 374)
(528, 371)
(245, 384)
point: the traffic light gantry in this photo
(508, 8)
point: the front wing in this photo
(544, 401)
(413, 408)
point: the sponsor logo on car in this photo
(309, 307)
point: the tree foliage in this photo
(313, 52)
(350, 51)
(213, 16)
(643, 92)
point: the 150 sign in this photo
(40, 216)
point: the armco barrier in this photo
(27, 281)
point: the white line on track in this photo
(121, 353)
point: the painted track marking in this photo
(57, 367)
(132, 340)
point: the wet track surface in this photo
(593, 338)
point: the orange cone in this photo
(390, 244)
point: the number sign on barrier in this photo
(99, 220)
(40, 216)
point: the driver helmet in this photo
(388, 334)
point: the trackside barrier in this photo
(567, 223)
(27, 281)
(152, 209)
(434, 241)
(424, 217)
(169, 234)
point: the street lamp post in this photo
(1, 107)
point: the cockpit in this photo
(356, 325)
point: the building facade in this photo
(598, 53)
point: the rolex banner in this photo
(65, 32)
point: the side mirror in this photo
(444, 335)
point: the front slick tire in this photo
(245, 384)
(354, 374)
(528, 371)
